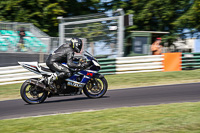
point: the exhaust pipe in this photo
(39, 84)
(35, 82)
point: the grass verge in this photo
(179, 117)
(125, 81)
(10, 91)
(152, 78)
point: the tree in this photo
(154, 15)
(43, 13)
(190, 19)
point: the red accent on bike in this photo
(90, 74)
(33, 66)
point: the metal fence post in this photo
(61, 34)
(121, 34)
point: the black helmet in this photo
(76, 44)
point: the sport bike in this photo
(89, 81)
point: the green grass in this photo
(10, 91)
(152, 78)
(125, 81)
(169, 118)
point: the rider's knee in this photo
(68, 74)
(49, 63)
(64, 75)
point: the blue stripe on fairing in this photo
(85, 80)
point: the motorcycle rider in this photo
(65, 53)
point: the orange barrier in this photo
(172, 62)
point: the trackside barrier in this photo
(172, 61)
(120, 65)
(131, 64)
(15, 74)
(190, 61)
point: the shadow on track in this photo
(68, 100)
(74, 99)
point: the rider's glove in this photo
(85, 65)
(81, 66)
(82, 60)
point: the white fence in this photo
(15, 74)
(139, 64)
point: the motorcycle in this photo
(89, 81)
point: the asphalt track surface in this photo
(113, 98)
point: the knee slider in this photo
(68, 74)
(61, 75)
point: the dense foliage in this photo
(190, 19)
(157, 15)
(160, 15)
(43, 13)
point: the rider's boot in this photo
(54, 77)
(51, 79)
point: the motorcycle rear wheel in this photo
(32, 94)
(96, 87)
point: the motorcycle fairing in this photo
(34, 67)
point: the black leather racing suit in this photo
(63, 54)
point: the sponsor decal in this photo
(74, 85)
(89, 74)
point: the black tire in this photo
(24, 96)
(99, 94)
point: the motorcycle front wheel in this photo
(32, 94)
(96, 87)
